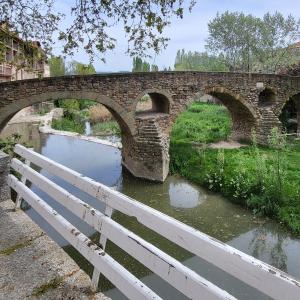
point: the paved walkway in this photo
(32, 266)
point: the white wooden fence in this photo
(253, 272)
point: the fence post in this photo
(4, 171)
(96, 274)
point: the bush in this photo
(107, 128)
(7, 145)
(66, 124)
(99, 113)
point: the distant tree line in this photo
(59, 67)
(199, 61)
(239, 42)
(140, 65)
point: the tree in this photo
(199, 61)
(139, 65)
(76, 68)
(234, 35)
(57, 66)
(143, 23)
(277, 34)
(249, 43)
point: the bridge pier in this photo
(148, 155)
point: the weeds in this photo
(264, 179)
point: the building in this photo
(20, 59)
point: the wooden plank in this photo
(250, 270)
(23, 180)
(182, 278)
(117, 274)
(102, 241)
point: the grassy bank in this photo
(77, 112)
(263, 179)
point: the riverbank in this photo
(263, 179)
(33, 266)
(43, 124)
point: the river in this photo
(187, 202)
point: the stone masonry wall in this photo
(145, 154)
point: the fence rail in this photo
(253, 272)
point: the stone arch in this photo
(124, 119)
(244, 118)
(290, 114)
(161, 101)
(267, 97)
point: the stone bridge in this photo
(254, 101)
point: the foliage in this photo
(264, 179)
(57, 66)
(139, 65)
(249, 43)
(99, 113)
(32, 19)
(90, 26)
(202, 123)
(68, 104)
(199, 61)
(106, 128)
(76, 68)
(7, 144)
(68, 124)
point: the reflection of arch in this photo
(161, 101)
(242, 114)
(123, 119)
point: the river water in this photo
(189, 203)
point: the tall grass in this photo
(99, 113)
(202, 123)
(263, 179)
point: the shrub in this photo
(99, 113)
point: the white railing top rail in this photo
(253, 272)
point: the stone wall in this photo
(144, 153)
(4, 171)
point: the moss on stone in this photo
(52, 284)
(14, 248)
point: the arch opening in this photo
(215, 116)
(242, 118)
(266, 97)
(82, 100)
(115, 128)
(290, 116)
(153, 102)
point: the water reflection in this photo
(178, 198)
(184, 195)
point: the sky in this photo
(188, 33)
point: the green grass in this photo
(247, 176)
(66, 124)
(202, 123)
(106, 128)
